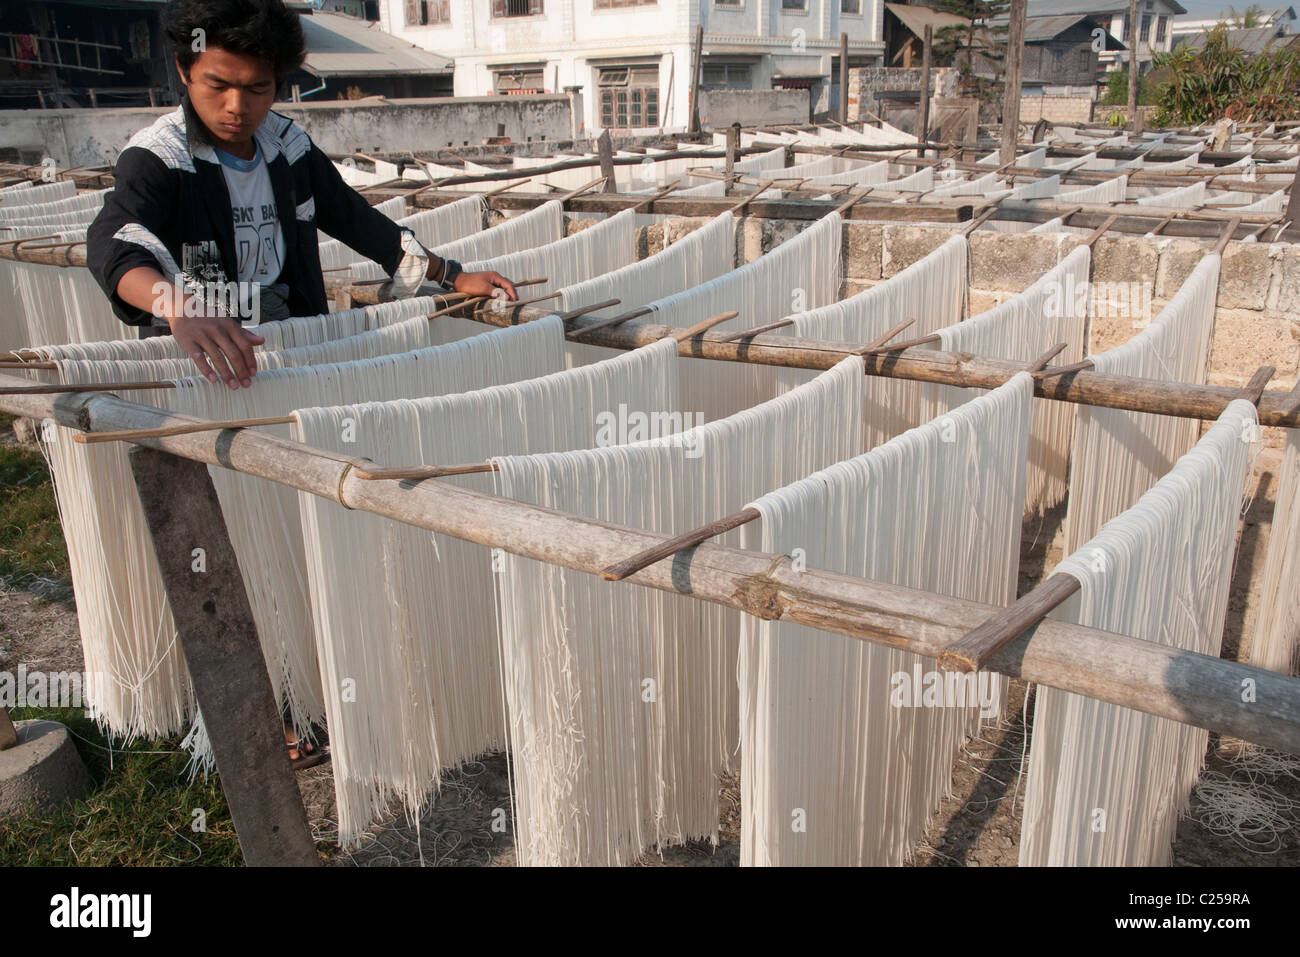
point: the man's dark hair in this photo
(265, 29)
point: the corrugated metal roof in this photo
(344, 46)
(1039, 29)
(1252, 40)
(1043, 29)
(1052, 8)
(917, 19)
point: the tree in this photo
(1219, 80)
(950, 41)
(1251, 17)
(1117, 89)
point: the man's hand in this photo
(219, 346)
(485, 284)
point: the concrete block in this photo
(1124, 259)
(1245, 339)
(1243, 281)
(863, 246)
(674, 229)
(1178, 258)
(43, 772)
(749, 240)
(1011, 261)
(904, 245)
(1288, 298)
(982, 300)
(573, 225)
(649, 240)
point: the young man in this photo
(224, 190)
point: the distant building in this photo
(1252, 40)
(1282, 18)
(1063, 51)
(1153, 33)
(632, 58)
(105, 53)
(346, 55)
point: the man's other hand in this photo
(219, 346)
(485, 284)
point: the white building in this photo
(632, 58)
(1283, 18)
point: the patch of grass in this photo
(139, 813)
(31, 539)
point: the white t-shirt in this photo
(259, 241)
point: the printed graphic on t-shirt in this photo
(259, 242)
(255, 228)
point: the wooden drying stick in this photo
(901, 346)
(649, 203)
(978, 221)
(971, 651)
(740, 207)
(881, 340)
(844, 207)
(1229, 231)
(1065, 216)
(1053, 371)
(1254, 389)
(89, 387)
(130, 435)
(1039, 364)
(582, 189)
(1292, 402)
(1096, 234)
(700, 328)
(607, 323)
(583, 310)
(416, 472)
(630, 566)
(750, 333)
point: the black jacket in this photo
(169, 194)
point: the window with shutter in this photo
(413, 13)
(629, 97)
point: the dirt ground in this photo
(1244, 812)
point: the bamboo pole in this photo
(1168, 682)
(1083, 387)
